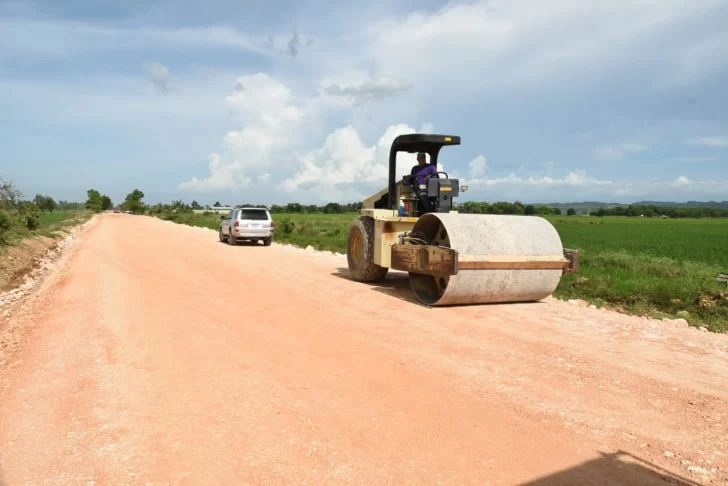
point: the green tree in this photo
(94, 201)
(10, 196)
(294, 208)
(570, 212)
(133, 202)
(28, 215)
(180, 206)
(44, 203)
(332, 208)
(106, 203)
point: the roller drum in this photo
(488, 234)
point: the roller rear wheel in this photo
(360, 251)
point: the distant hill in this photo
(587, 206)
(689, 204)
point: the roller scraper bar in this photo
(438, 260)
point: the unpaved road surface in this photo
(154, 354)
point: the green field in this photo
(645, 266)
(49, 224)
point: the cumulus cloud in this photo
(503, 44)
(478, 166)
(275, 126)
(222, 176)
(271, 121)
(345, 166)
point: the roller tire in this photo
(360, 251)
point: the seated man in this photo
(420, 173)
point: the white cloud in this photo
(478, 166)
(711, 141)
(344, 166)
(507, 43)
(272, 122)
(427, 128)
(682, 181)
(222, 176)
(274, 128)
(616, 152)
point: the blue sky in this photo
(281, 101)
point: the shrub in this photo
(287, 226)
(6, 222)
(28, 215)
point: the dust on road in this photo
(156, 355)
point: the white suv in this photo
(253, 224)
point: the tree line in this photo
(470, 207)
(649, 211)
(98, 202)
(500, 207)
(15, 210)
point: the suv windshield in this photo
(254, 214)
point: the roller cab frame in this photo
(382, 237)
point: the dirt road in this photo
(156, 355)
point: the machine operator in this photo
(421, 172)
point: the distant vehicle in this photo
(117, 209)
(251, 224)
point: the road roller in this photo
(452, 258)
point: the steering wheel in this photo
(446, 176)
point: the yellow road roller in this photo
(452, 258)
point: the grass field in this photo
(49, 224)
(645, 266)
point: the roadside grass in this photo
(50, 225)
(642, 266)
(656, 267)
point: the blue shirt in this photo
(421, 173)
